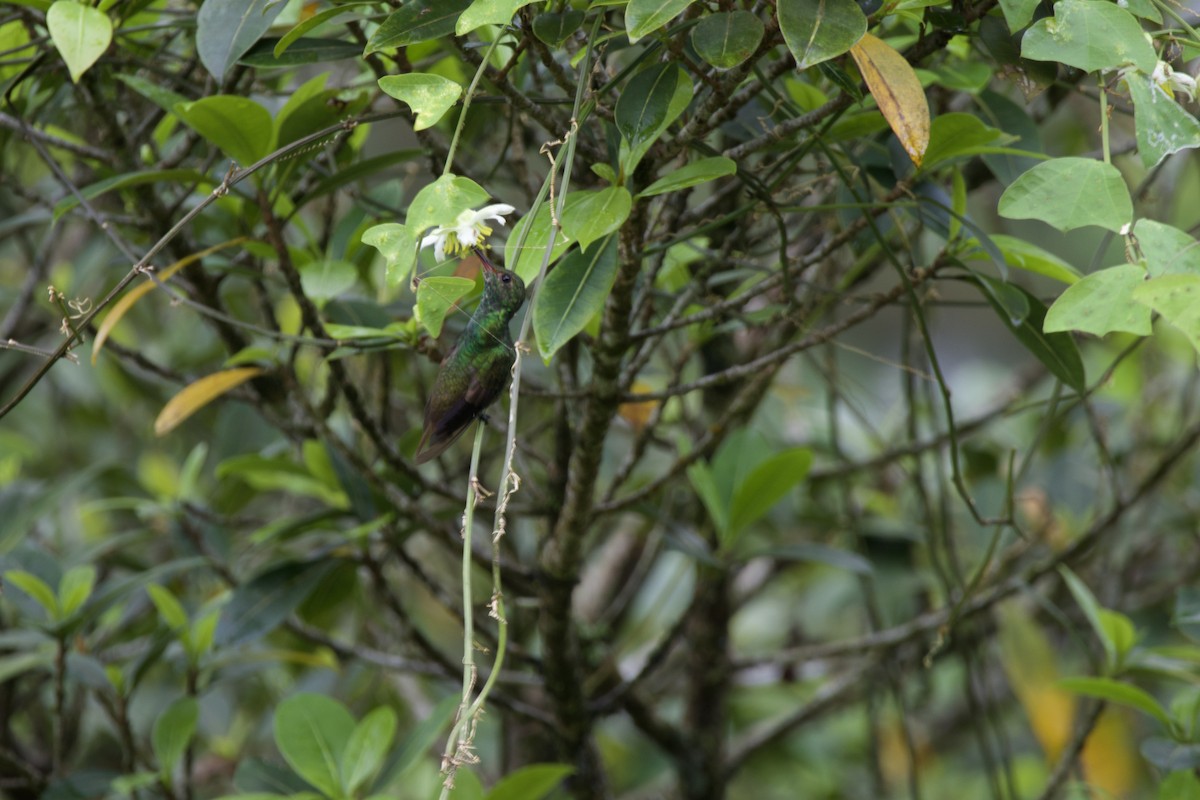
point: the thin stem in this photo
(466, 106)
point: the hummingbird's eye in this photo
(507, 278)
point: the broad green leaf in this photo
(1091, 609)
(173, 730)
(1102, 303)
(416, 21)
(366, 748)
(122, 306)
(646, 16)
(1180, 785)
(315, 21)
(726, 39)
(269, 598)
(398, 245)
(467, 786)
(436, 295)
(75, 588)
(198, 639)
(420, 739)
(1119, 630)
(642, 107)
(958, 135)
(161, 96)
(305, 50)
(1162, 126)
(442, 201)
(767, 485)
(572, 294)
(1070, 193)
(1018, 13)
(818, 31)
(530, 783)
(429, 96)
(556, 27)
(36, 588)
(528, 262)
(311, 731)
(705, 483)
(325, 279)
(631, 152)
(1090, 35)
(130, 179)
(1118, 692)
(226, 29)
(240, 127)
(697, 172)
(897, 91)
(80, 33)
(1144, 9)
(1021, 254)
(1177, 299)
(596, 214)
(1167, 250)
(1057, 351)
(487, 12)
(170, 610)
(198, 394)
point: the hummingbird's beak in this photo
(487, 265)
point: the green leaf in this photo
(1121, 693)
(767, 485)
(705, 483)
(528, 262)
(1119, 630)
(226, 29)
(572, 294)
(1162, 126)
(240, 127)
(727, 39)
(1070, 193)
(327, 278)
(488, 12)
(420, 739)
(1057, 351)
(265, 601)
(642, 108)
(75, 588)
(556, 27)
(170, 610)
(697, 172)
(530, 783)
(596, 214)
(1167, 250)
(127, 180)
(816, 32)
(306, 50)
(417, 21)
(442, 201)
(311, 731)
(436, 295)
(1180, 785)
(1091, 609)
(645, 16)
(36, 588)
(80, 33)
(315, 21)
(398, 245)
(162, 97)
(1177, 298)
(957, 135)
(1021, 254)
(429, 96)
(366, 748)
(1090, 35)
(1018, 13)
(173, 730)
(1102, 303)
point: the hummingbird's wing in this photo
(448, 412)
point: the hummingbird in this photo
(477, 369)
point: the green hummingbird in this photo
(474, 373)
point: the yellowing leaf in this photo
(1111, 762)
(897, 90)
(196, 395)
(637, 414)
(122, 306)
(1031, 665)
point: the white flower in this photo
(1171, 81)
(467, 231)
